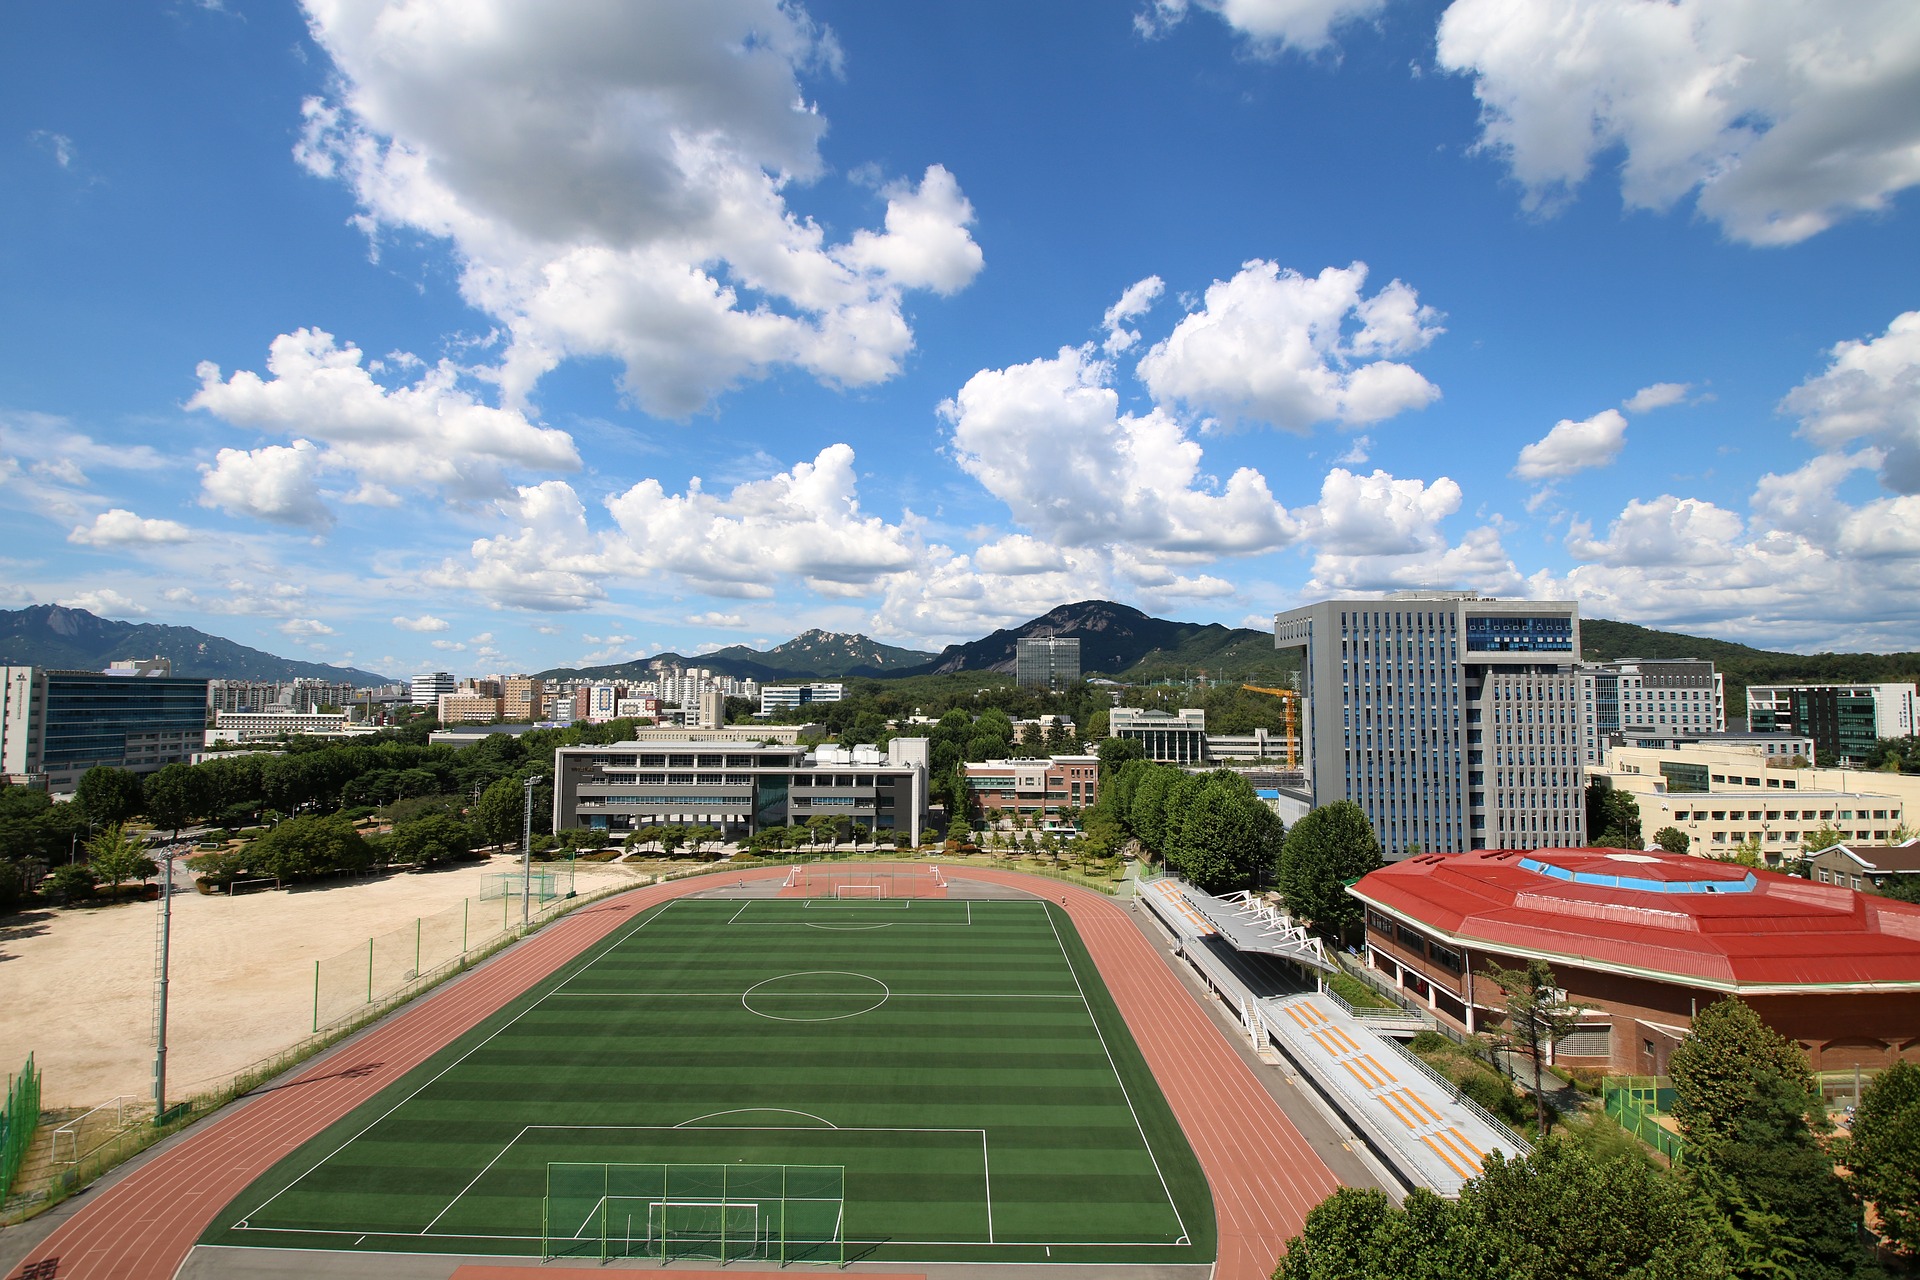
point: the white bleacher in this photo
(1431, 1135)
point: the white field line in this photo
(612, 943)
(1115, 1068)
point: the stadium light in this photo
(526, 858)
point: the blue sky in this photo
(498, 334)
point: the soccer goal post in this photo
(860, 891)
(723, 1212)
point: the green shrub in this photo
(1430, 1042)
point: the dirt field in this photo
(76, 987)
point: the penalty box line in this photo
(986, 1167)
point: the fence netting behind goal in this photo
(724, 1212)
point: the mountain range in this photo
(1115, 640)
(50, 635)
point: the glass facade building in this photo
(61, 723)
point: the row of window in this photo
(1789, 815)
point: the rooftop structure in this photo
(1643, 940)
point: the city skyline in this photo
(490, 337)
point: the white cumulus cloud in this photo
(1781, 117)
(614, 179)
(1273, 346)
(279, 483)
(1869, 393)
(1574, 446)
(120, 528)
(104, 601)
(431, 433)
(1659, 395)
(1048, 439)
(1268, 25)
(425, 622)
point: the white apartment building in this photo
(426, 689)
(1642, 696)
(1452, 719)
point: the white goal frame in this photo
(874, 891)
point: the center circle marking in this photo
(875, 994)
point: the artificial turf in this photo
(960, 1059)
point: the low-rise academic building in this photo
(741, 788)
(1644, 941)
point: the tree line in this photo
(300, 805)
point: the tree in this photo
(309, 846)
(1744, 854)
(1613, 817)
(1539, 1016)
(107, 795)
(1715, 1069)
(1824, 836)
(427, 840)
(501, 811)
(1742, 1095)
(1884, 1153)
(116, 857)
(1332, 845)
(860, 833)
(1903, 888)
(1562, 1213)
(1220, 844)
(72, 883)
(175, 796)
(671, 838)
(1672, 839)
(1114, 752)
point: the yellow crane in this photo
(1290, 700)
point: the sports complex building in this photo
(1644, 940)
(740, 787)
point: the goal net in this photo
(860, 891)
(723, 1212)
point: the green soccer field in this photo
(934, 1080)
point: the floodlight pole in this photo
(160, 991)
(526, 859)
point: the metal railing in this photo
(1499, 1127)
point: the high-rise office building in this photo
(58, 724)
(1046, 662)
(427, 688)
(1844, 720)
(1453, 720)
(1670, 697)
(523, 698)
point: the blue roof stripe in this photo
(1642, 885)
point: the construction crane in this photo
(1289, 699)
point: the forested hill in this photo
(1121, 641)
(50, 635)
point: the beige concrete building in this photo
(522, 698)
(1722, 796)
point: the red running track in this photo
(1263, 1175)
